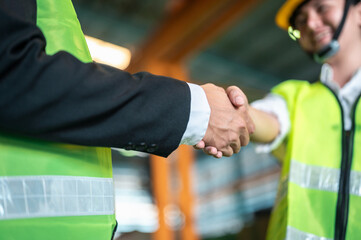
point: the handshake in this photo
(230, 123)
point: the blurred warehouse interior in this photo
(190, 195)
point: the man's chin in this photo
(323, 45)
(315, 50)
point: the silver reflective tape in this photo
(52, 196)
(322, 178)
(314, 177)
(355, 183)
(295, 234)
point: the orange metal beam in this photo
(160, 179)
(164, 196)
(186, 198)
(216, 22)
(190, 28)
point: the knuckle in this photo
(245, 140)
(252, 128)
(241, 126)
(233, 138)
(243, 110)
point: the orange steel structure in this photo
(188, 26)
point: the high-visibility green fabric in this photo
(354, 229)
(57, 228)
(353, 225)
(278, 223)
(318, 207)
(315, 139)
(29, 157)
(60, 25)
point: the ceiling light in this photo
(108, 53)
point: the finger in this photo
(200, 145)
(236, 96)
(236, 146)
(228, 152)
(244, 138)
(218, 155)
(211, 150)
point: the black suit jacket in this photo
(59, 98)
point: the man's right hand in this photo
(229, 126)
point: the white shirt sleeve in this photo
(198, 117)
(277, 106)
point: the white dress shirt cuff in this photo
(198, 117)
(276, 105)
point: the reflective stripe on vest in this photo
(322, 178)
(314, 177)
(55, 196)
(294, 234)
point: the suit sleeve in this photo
(59, 98)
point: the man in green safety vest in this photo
(51, 93)
(319, 124)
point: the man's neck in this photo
(344, 67)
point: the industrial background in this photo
(191, 196)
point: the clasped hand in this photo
(230, 124)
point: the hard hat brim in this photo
(285, 12)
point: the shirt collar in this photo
(326, 78)
(349, 91)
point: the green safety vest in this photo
(51, 190)
(319, 195)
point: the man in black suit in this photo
(59, 98)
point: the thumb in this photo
(236, 96)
